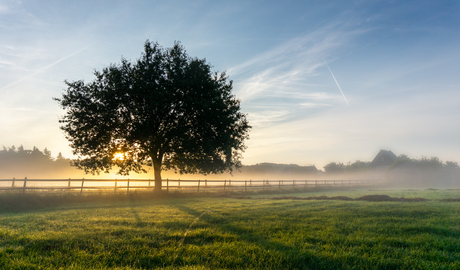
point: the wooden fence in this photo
(128, 185)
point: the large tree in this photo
(166, 110)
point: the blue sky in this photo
(321, 81)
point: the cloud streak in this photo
(290, 79)
(337, 83)
(44, 68)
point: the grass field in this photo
(250, 231)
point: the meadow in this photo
(231, 231)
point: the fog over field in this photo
(394, 171)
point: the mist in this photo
(387, 168)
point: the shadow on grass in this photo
(18, 202)
(288, 257)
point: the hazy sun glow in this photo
(118, 156)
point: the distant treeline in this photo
(432, 163)
(424, 172)
(18, 162)
(403, 172)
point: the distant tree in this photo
(334, 167)
(451, 164)
(60, 156)
(47, 153)
(430, 163)
(400, 160)
(357, 166)
(167, 110)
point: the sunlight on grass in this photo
(228, 233)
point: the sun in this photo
(119, 156)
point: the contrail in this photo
(336, 82)
(43, 68)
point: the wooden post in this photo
(199, 181)
(69, 183)
(167, 185)
(25, 183)
(245, 185)
(12, 184)
(250, 182)
(82, 183)
(127, 188)
(225, 184)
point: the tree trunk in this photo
(157, 172)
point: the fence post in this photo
(250, 182)
(167, 185)
(199, 181)
(12, 184)
(245, 185)
(127, 188)
(69, 183)
(225, 184)
(25, 183)
(82, 183)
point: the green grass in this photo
(139, 232)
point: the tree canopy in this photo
(166, 110)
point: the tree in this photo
(166, 110)
(334, 167)
(451, 164)
(357, 166)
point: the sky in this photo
(320, 81)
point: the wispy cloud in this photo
(42, 69)
(294, 72)
(4, 9)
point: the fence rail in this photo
(128, 185)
